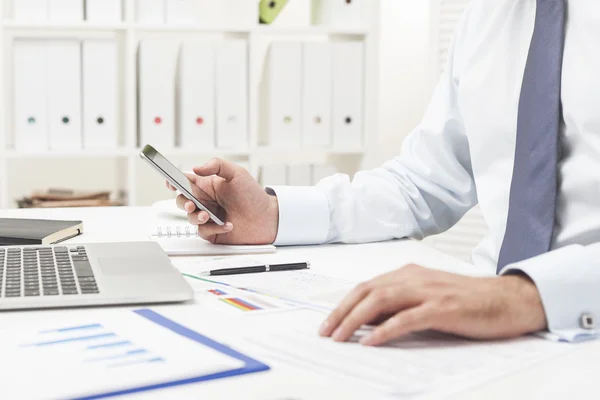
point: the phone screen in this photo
(175, 174)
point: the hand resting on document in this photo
(414, 298)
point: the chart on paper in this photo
(300, 286)
(92, 344)
(235, 299)
(113, 351)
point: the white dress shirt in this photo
(462, 154)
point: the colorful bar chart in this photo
(241, 304)
(217, 292)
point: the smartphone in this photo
(177, 178)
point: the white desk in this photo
(571, 375)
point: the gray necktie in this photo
(532, 205)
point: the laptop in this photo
(33, 277)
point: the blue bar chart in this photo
(108, 351)
(96, 344)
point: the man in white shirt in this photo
(513, 126)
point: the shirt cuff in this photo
(303, 215)
(567, 280)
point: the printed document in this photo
(425, 363)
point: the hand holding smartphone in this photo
(178, 179)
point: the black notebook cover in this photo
(16, 231)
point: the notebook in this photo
(178, 239)
(17, 232)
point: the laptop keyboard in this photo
(45, 271)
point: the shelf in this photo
(309, 30)
(204, 152)
(265, 151)
(261, 29)
(123, 152)
(87, 26)
(189, 29)
(124, 162)
(101, 153)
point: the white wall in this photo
(405, 76)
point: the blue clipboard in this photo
(251, 365)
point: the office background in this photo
(85, 83)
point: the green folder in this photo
(270, 9)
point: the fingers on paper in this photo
(343, 309)
(405, 322)
(380, 301)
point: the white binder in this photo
(285, 94)
(30, 10)
(65, 10)
(64, 93)
(150, 11)
(30, 111)
(299, 175)
(320, 171)
(180, 12)
(210, 13)
(157, 61)
(273, 175)
(316, 96)
(100, 98)
(232, 94)
(348, 93)
(103, 10)
(196, 95)
(240, 13)
(296, 13)
(340, 13)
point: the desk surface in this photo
(573, 374)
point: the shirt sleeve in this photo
(303, 215)
(423, 191)
(568, 280)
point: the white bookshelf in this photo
(128, 33)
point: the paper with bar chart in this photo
(235, 299)
(302, 288)
(111, 351)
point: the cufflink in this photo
(586, 321)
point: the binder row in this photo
(67, 10)
(195, 89)
(65, 94)
(295, 175)
(316, 95)
(191, 94)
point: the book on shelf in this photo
(59, 198)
